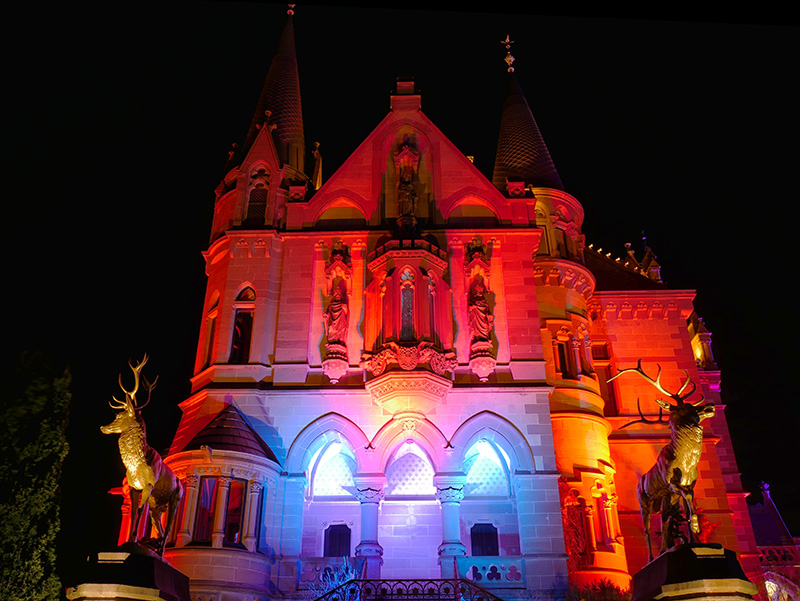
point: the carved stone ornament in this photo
(369, 495)
(406, 161)
(335, 365)
(409, 358)
(450, 494)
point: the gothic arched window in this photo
(258, 193)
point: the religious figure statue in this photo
(150, 480)
(337, 316)
(407, 195)
(669, 485)
(480, 316)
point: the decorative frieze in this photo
(566, 274)
(409, 358)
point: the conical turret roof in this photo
(281, 97)
(230, 431)
(521, 151)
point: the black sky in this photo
(122, 120)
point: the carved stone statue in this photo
(672, 479)
(480, 316)
(149, 478)
(337, 316)
(407, 195)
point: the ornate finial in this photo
(290, 12)
(509, 58)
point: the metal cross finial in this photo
(509, 58)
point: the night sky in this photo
(121, 123)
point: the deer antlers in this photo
(679, 398)
(129, 404)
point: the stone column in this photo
(189, 511)
(450, 494)
(218, 532)
(591, 535)
(250, 536)
(369, 494)
(269, 517)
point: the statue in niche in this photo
(406, 195)
(406, 162)
(480, 315)
(337, 316)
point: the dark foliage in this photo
(604, 590)
(34, 409)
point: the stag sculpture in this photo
(672, 479)
(149, 478)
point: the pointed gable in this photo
(366, 183)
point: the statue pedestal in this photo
(694, 571)
(130, 572)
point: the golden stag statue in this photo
(149, 478)
(673, 477)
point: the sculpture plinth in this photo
(130, 572)
(693, 571)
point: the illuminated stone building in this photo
(406, 365)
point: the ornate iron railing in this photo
(408, 590)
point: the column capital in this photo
(369, 495)
(450, 494)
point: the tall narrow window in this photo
(211, 332)
(257, 206)
(242, 327)
(242, 332)
(234, 513)
(337, 541)
(484, 541)
(407, 333)
(207, 501)
(565, 362)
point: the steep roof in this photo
(229, 431)
(768, 525)
(281, 96)
(617, 275)
(521, 151)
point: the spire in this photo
(279, 105)
(521, 151)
